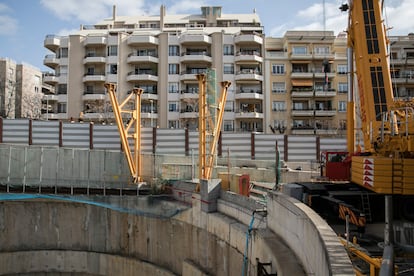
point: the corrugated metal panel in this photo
(238, 144)
(170, 141)
(45, 133)
(265, 146)
(193, 142)
(302, 148)
(106, 137)
(75, 135)
(16, 132)
(146, 140)
(333, 144)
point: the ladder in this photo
(366, 206)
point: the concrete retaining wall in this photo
(313, 240)
(57, 236)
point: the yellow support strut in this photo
(206, 161)
(125, 130)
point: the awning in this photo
(302, 83)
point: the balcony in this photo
(301, 74)
(190, 74)
(52, 42)
(248, 38)
(189, 94)
(50, 79)
(194, 39)
(248, 75)
(91, 58)
(249, 94)
(192, 57)
(188, 113)
(94, 77)
(311, 112)
(95, 40)
(142, 75)
(136, 39)
(309, 93)
(92, 96)
(248, 115)
(51, 61)
(50, 98)
(149, 57)
(302, 112)
(321, 74)
(153, 96)
(300, 56)
(326, 113)
(248, 57)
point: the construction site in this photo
(120, 199)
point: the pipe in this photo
(249, 230)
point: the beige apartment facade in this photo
(162, 55)
(20, 90)
(307, 83)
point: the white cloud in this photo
(92, 11)
(8, 25)
(399, 16)
(184, 6)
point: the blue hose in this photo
(249, 230)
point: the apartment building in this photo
(402, 66)
(161, 54)
(20, 90)
(306, 76)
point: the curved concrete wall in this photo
(309, 236)
(43, 235)
(53, 226)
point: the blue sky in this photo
(25, 23)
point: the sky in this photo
(24, 24)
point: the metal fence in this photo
(253, 146)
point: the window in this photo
(173, 124)
(113, 50)
(342, 87)
(228, 68)
(278, 87)
(173, 87)
(342, 69)
(173, 50)
(173, 69)
(63, 70)
(278, 69)
(63, 53)
(341, 106)
(299, 50)
(228, 125)
(112, 69)
(62, 88)
(278, 106)
(172, 106)
(321, 50)
(228, 50)
(229, 107)
(61, 107)
(342, 124)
